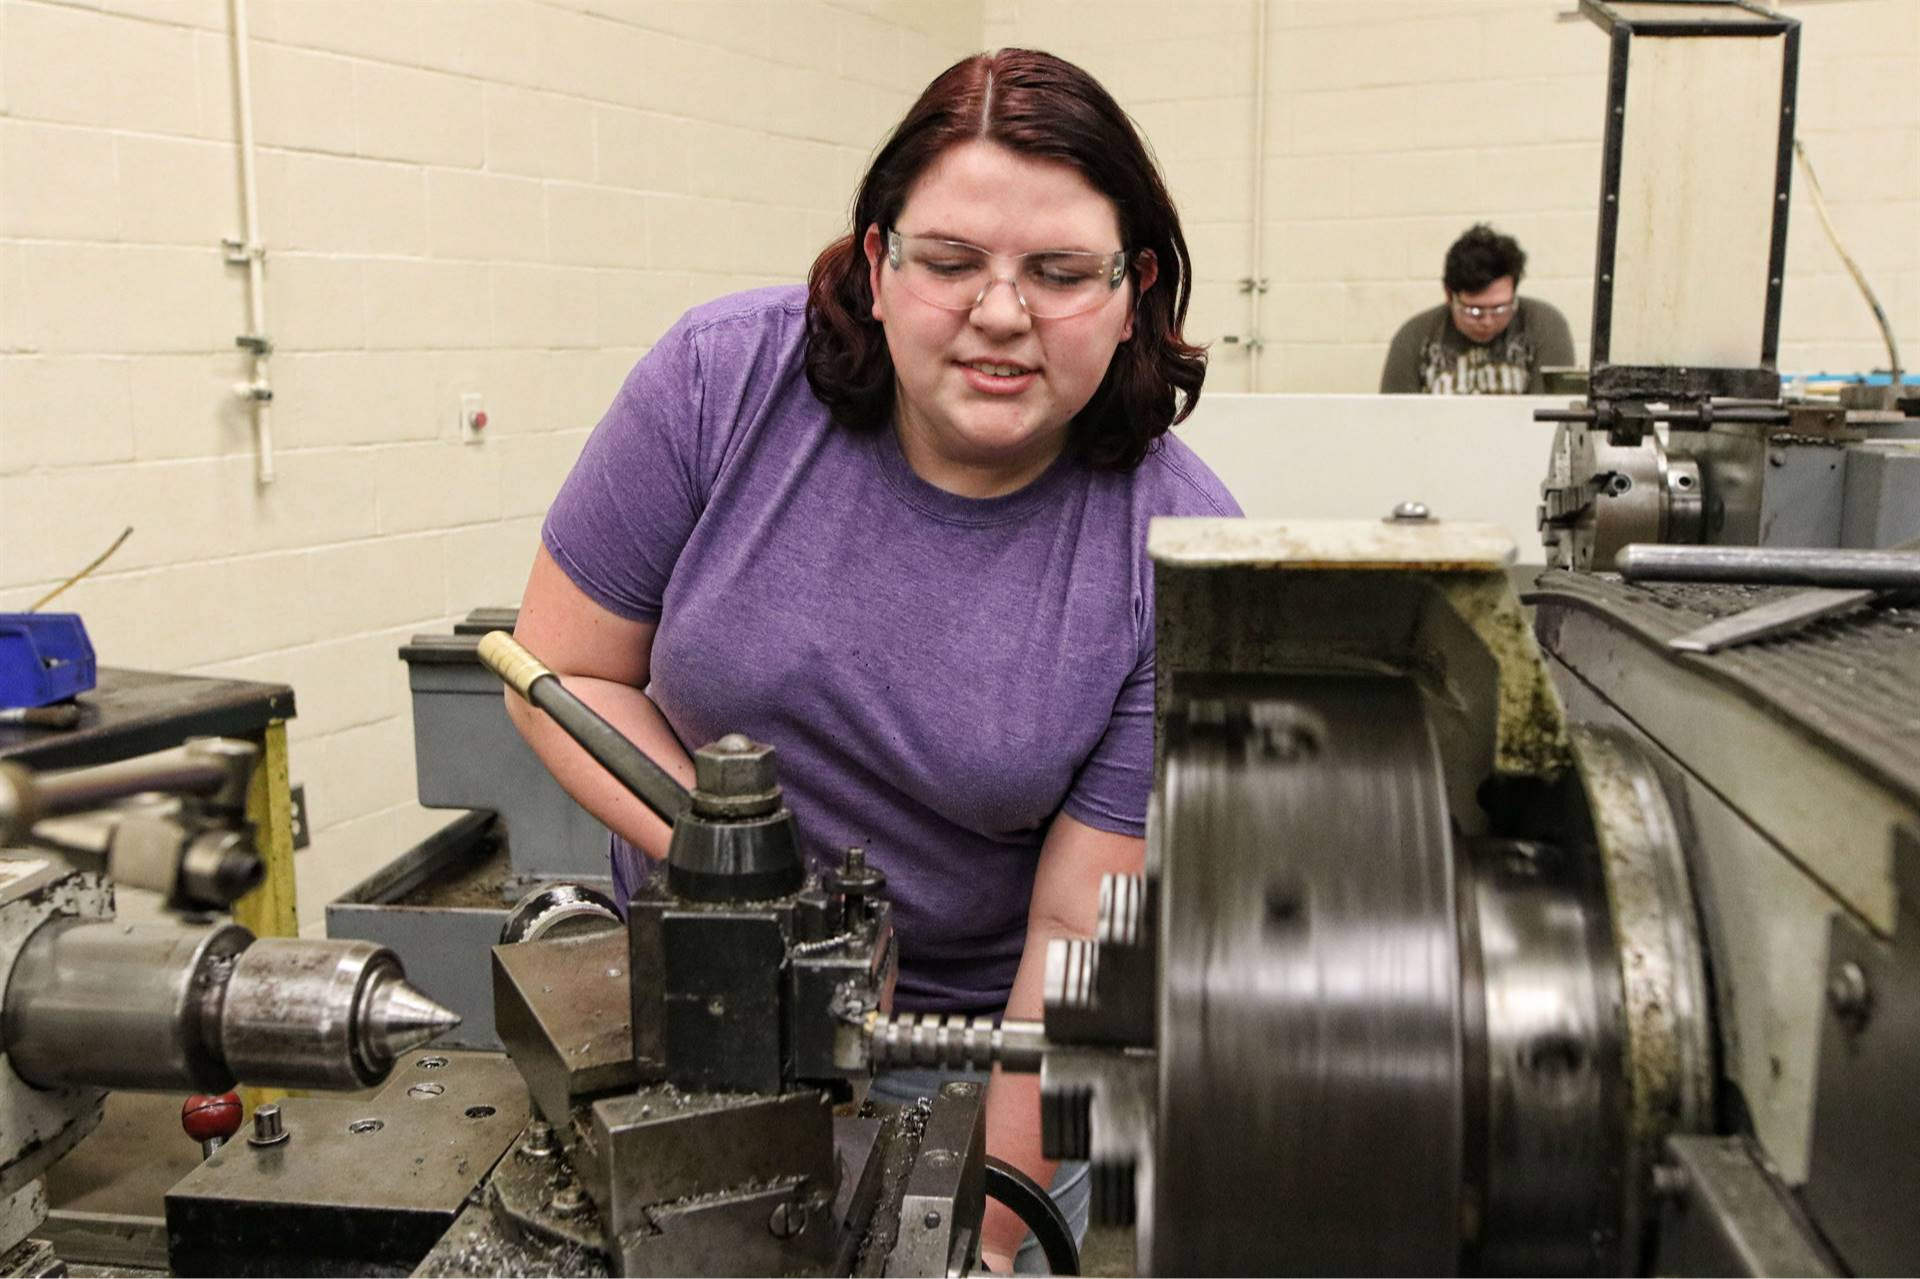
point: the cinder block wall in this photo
(1391, 125)
(514, 197)
(497, 196)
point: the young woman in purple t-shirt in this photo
(895, 526)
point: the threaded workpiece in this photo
(952, 1042)
(931, 1039)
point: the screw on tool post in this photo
(856, 881)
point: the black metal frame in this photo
(1765, 21)
(1610, 381)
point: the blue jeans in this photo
(1070, 1189)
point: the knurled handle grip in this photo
(503, 655)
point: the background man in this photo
(1484, 339)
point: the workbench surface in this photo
(131, 713)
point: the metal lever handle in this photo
(1777, 617)
(212, 768)
(528, 676)
(1772, 566)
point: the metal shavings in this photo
(494, 1253)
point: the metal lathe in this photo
(1493, 921)
(1425, 975)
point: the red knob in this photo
(479, 420)
(205, 1117)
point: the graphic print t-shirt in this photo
(1430, 356)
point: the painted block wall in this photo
(1392, 125)
(503, 196)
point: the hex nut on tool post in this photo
(734, 778)
(736, 841)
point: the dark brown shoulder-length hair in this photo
(1041, 106)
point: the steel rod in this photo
(57, 794)
(1771, 566)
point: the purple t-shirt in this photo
(940, 675)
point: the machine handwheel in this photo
(1034, 1206)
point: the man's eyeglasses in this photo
(1486, 312)
(1052, 284)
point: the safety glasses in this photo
(1052, 284)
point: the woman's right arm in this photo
(603, 659)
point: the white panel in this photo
(1470, 458)
(1698, 164)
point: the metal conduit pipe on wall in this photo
(1256, 282)
(249, 252)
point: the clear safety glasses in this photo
(1051, 284)
(1485, 312)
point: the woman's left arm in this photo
(1066, 903)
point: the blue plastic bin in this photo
(44, 658)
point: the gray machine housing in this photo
(441, 904)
